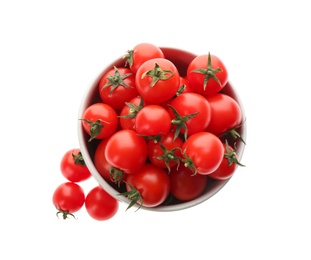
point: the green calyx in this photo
(116, 80)
(209, 72)
(116, 175)
(231, 156)
(65, 214)
(133, 109)
(95, 128)
(129, 58)
(188, 162)
(157, 74)
(78, 158)
(180, 122)
(134, 196)
(168, 156)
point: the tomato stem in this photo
(64, 213)
(95, 128)
(157, 74)
(134, 195)
(78, 159)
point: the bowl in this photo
(181, 59)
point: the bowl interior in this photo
(181, 59)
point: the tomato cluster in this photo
(69, 197)
(162, 134)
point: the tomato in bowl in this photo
(225, 129)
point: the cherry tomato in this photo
(190, 113)
(157, 80)
(153, 120)
(73, 167)
(203, 152)
(100, 121)
(152, 184)
(141, 53)
(185, 185)
(100, 205)
(117, 86)
(225, 113)
(126, 151)
(68, 198)
(207, 74)
(166, 152)
(228, 165)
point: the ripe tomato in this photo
(117, 86)
(153, 120)
(157, 80)
(225, 113)
(203, 152)
(185, 185)
(190, 113)
(100, 121)
(73, 167)
(207, 74)
(152, 184)
(68, 198)
(141, 53)
(228, 165)
(100, 205)
(126, 151)
(166, 152)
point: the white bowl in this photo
(181, 59)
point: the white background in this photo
(50, 51)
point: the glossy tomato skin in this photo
(105, 116)
(196, 80)
(163, 89)
(116, 96)
(100, 205)
(205, 150)
(152, 183)
(141, 53)
(189, 103)
(126, 151)
(185, 185)
(73, 167)
(171, 152)
(226, 113)
(225, 170)
(153, 120)
(68, 197)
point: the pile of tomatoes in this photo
(161, 135)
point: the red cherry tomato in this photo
(157, 80)
(100, 121)
(117, 86)
(73, 167)
(141, 53)
(185, 185)
(207, 74)
(68, 198)
(152, 184)
(100, 205)
(203, 152)
(226, 113)
(153, 120)
(126, 151)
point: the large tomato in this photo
(226, 113)
(203, 152)
(190, 113)
(207, 74)
(153, 120)
(99, 121)
(141, 53)
(185, 185)
(126, 151)
(149, 186)
(100, 205)
(157, 80)
(68, 198)
(117, 86)
(73, 167)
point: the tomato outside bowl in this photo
(181, 59)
